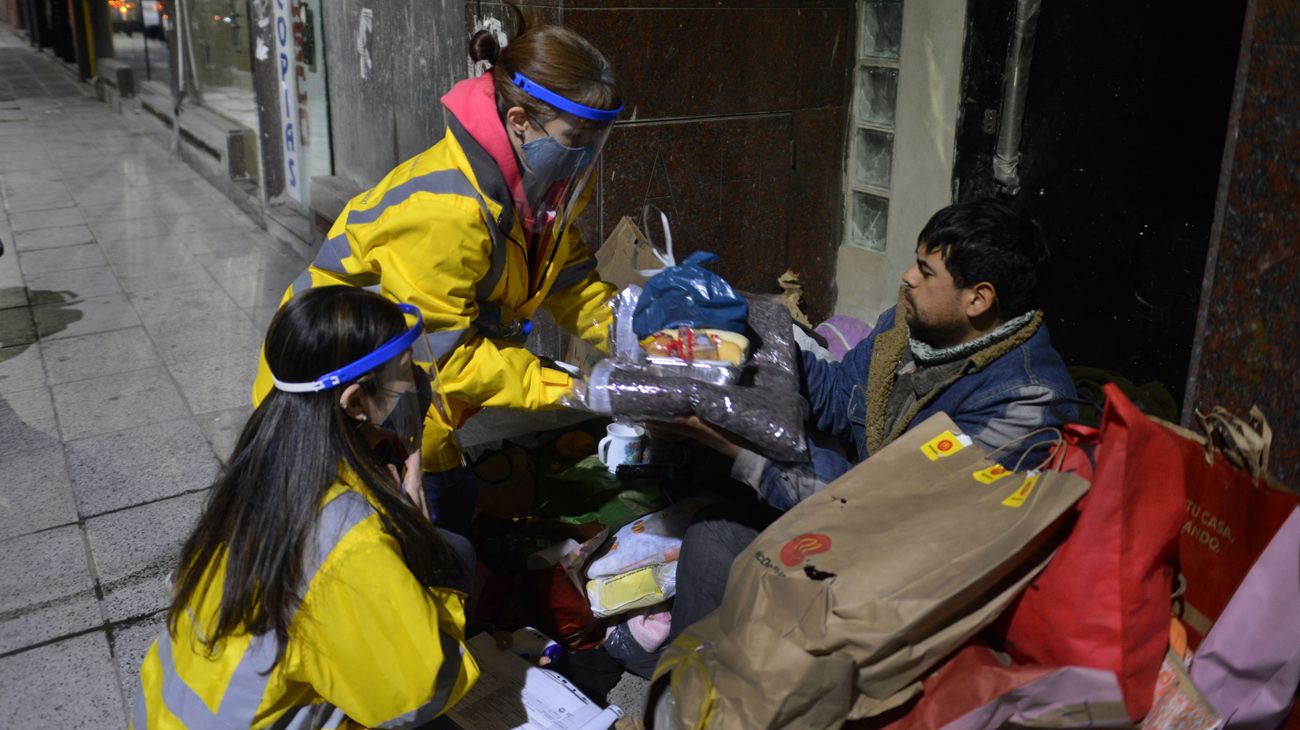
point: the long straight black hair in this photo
(264, 507)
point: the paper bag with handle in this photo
(840, 607)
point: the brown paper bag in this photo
(839, 608)
(623, 253)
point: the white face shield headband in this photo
(406, 407)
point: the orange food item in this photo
(574, 444)
(1178, 639)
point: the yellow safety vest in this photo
(368, 644)
(439, 232)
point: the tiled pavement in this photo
(133, 296)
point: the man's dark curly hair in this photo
(988, 240)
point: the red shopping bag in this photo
(1104, 600)
(562, 609)
(967, 680)
(1233, 512)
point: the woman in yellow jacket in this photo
(477, 232)
(314, 589)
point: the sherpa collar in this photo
(888, 349)
(927, 354)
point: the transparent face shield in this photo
(405, 378)
(558, 167)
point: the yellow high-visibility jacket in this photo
(440, 232)
(367, 643)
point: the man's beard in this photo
(939, 335)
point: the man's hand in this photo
(693, 429)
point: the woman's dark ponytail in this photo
(483, 46)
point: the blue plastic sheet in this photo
(689, 295)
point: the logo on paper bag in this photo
(945, 444)
(992, 474)
(809, 543)
(1019, 496)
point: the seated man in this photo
(970, 343)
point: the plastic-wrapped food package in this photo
(650, 540)
(624, 344)
(632, 590)
(764, 406)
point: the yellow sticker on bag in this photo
(1019, 496)
(992, 474)
(945, 444)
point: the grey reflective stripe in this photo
(451, 181)
(498, 264)
(303, 282)
(333, 720)
(141, 719)
(453, 657)
(332, 252)
(442, 182)
(178, 697)
(444, 341)
(337, 518)
(573, 274)
(248, 682)
(323, 716)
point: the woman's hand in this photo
(412, 481)
(693, 429)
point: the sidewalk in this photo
(133, 298)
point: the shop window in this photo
(222, 57)
(871, 145)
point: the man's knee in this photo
(718, 529)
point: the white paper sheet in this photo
(513, 693)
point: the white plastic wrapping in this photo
(764, 407)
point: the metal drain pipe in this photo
(1015, 86)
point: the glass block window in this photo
(871, 147)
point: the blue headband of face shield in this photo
(541, 93)
(357, 368)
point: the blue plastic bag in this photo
(689, 295)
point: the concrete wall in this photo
(1246, 348)
(929, 94)
(416, 51)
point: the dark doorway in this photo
(1123, 139)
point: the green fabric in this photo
(576, 496)
(585, 492)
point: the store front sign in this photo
(287, 59)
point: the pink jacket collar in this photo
(473, 103)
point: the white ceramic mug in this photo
(623, 444)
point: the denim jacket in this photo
(1001, 393)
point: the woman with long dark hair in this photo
(477, 232)
(314, 587)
